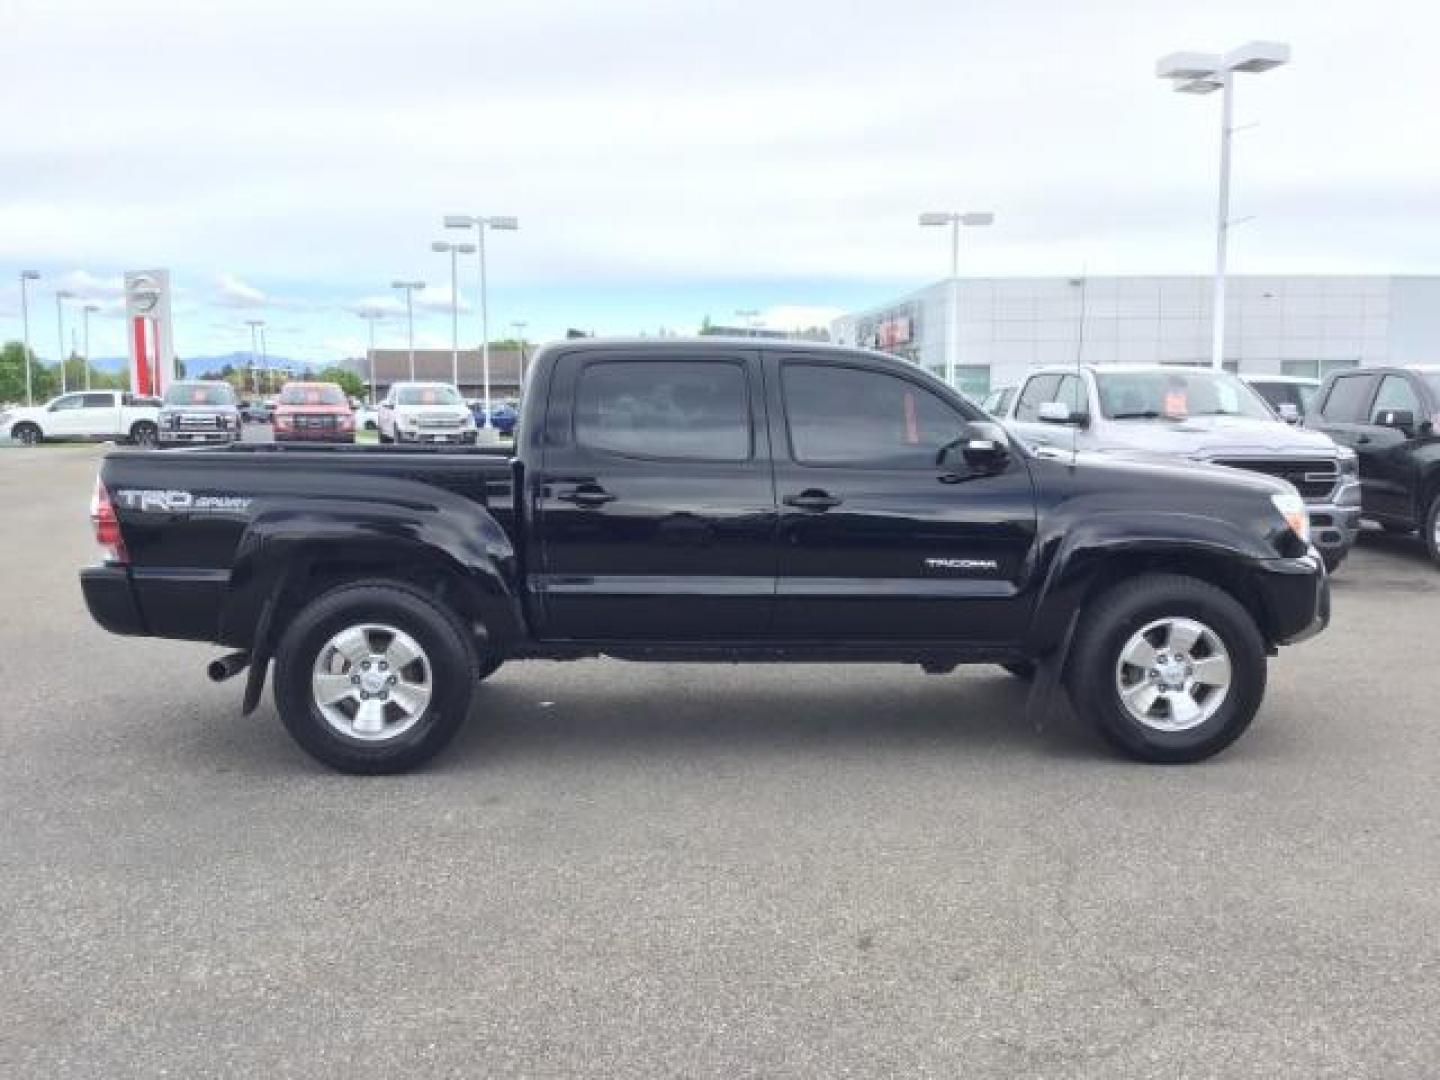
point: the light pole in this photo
(370, 315)
(85, 316)
(265, 361)
(480, 224)
(25, 276)
(255, 325)
(971, 219)
(1204, 73)
(61, 295)
(455, 250)
(519, 328)
(410, 287)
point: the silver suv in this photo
(1194, 413)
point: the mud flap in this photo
(1048, 673)
(260, 656)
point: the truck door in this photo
(1388, 457)
(876, 540)
(100, 415)
(1343, 415)
(654, 502)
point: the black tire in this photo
(27, 434)
(1024, 670)
(144, 434)
(1333, 558)
(1108, 624)
(385, 440)
(1431, 529)
(445, 640)
(1394, 528)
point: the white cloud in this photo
(231, 292)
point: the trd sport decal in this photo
(180, 502)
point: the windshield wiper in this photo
(1146, 414)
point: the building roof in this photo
(436, 365)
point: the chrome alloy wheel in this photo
(1173, 674)
(372, 682)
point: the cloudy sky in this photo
(286, 159)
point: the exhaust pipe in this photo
(227, 666)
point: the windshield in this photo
(312, 394)
(183, 394)
(1175, 395)
(427, 395)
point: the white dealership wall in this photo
(1298, 324)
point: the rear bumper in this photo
(1295, 594)
(174, 604)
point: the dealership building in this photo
(1295, 325)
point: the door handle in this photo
(813, 499)
(1363, 440)
(586, 496)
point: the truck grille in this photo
(440, 421)
(315, 423)
(1314, 478)
(198, 422)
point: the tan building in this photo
(436, 365)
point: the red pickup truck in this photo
(313, 412)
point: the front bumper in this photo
(182, 438)
(1295, 596)
(451, 437)
(320, 435)
(1335, 525)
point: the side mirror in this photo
(982, 444)
(1057, 412)
(1400, 419)
(1288, 412)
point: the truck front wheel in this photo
(1432, 530)
(1168, 668)
(145, 434)
(375, 677)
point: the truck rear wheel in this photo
(375, 677)
(26, 434)
(1168, 668)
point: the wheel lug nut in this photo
(392, 680)
(355, 679)
(364, 696)
(364, 665)
(384, 666)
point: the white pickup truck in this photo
(94, 415)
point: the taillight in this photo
(107, 525)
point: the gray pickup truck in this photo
(1195, 414)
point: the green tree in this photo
(12, 371)
(347, 380)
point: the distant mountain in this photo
(196, 366)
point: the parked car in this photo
(1390, 417)
(504, 415)
(90, 415)
(1288, 395)
(1198, 415)
(998, 401)
(367, 417)
(425, 412)
(199, 411)
(708, 500)
(313, 412)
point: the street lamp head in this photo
(1258, 56)
(29, 275)
(977, 219)
(458, 221)
(439, 245)
(935, 217)
(64, 294)
(1189, 65)
(407, 285)
(503, 222)
(92, 307)
(466, 249)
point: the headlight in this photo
(1349, 462)
(409, 421)
(1292, 509)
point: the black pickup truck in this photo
(710, 500)
(1390, 417)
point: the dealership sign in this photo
(152, 344)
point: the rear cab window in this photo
(675, 410)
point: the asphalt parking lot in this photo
(623, 870)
